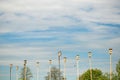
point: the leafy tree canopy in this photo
(28, 74)
(118, 69)
(54, 74)
(96, 75)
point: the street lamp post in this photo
(65, 59)
(25, 69)
(37, 66)
(77, 65)
(50, 62)
(59, 54)
(10, 70)
(17, 72)
(90, 64)
(110, 52)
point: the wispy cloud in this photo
(54, 11)
(37, 30)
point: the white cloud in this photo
(54, 11)
(21, 17)
(30, 53)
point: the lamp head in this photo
(65, 59)
(77, 57)
(37, 62)
(89, 54)
(50, 61)
(59, 53)
(17, 67)
(11, 65)
(25, 61)
(110, 51)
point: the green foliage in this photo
(118, 69)
(28, 74)
(96, 75)
(114, 76)
(54, 74)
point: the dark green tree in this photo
(114, 76)
(96, 75)
(54, 74)
(118, 69)
(28, 74)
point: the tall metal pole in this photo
(17, 72)
(110, 52)
(65, 59)
(77, 64)
(37, 66)
(90, 63)
(10, 70)
(59, 54)
(25, 70)
(50, 62)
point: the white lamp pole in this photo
(90, 64)
(59, 54)
(37, 66)
(77, 64)
(65, 59)
(17, 72)
(110, 52)
(25, 69)
(11, 65)
(50, 62)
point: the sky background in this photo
(36, 30)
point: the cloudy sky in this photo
(36, 30)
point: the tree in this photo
(28, 74)
(118, 69)
(96, 75)
(54, 74)
(114, 76)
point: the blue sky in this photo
(36, 30)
